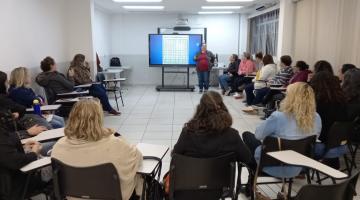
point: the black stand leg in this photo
(162, 76)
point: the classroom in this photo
(179, 99)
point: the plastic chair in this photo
(95, 182)
(344, 190)
(202, 178)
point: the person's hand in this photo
(33, 146)
(71, 72)
(36, 129)
(310, 77)
(15, 115)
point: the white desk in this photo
(46, 135)
(87, 85)
(112, 71)
(45, 108)
(73, 100)
(118, 67)
(147, 166)
(74, 93)
(115, 80)
(37, 164)
(278, 88)
(294, 158)
(159, 151)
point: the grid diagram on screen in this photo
(175, 49)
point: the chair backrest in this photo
(344, 190)
(339, 134)
(201, 178)
(95, 182)
(303, 146)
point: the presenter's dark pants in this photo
(99, 91)
(203, 78)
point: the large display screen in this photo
(173, 49)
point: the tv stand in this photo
(187, 87)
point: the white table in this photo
(74, 93)
(278, 88)
(46, 135)
(73, 100)
(294, 158)
(87, 85)
(118, 67)
(45, 108)
(159, 151)
(111, 71)
(37, 164)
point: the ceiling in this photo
(180, 6)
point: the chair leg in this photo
(122, 101)
(308, 177)
(318, 177)
(347, 165)
(289, 190)
(116, 100)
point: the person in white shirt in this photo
(256, 92)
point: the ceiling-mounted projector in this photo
(182, 24)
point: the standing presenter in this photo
(204, 62)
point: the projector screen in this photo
(171, 49)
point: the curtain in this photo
(264, 33)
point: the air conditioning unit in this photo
(265, 6)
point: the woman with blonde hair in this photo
(20, 91)
(88, 143)
(296, 119)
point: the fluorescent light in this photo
(215, 13)
(144, 7)
(136, 1)
(220, 7)
(229, 1)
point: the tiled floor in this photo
(157, 117)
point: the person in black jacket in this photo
(228, 75)
(209, 133)
(331, 105)
(12, 158)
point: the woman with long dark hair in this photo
(209, 133)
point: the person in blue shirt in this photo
(296, 119)
(21, 92)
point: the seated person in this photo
(209, 133)
(228, 75)
(53, 81)
(297, 119)
(21, 92)
(82, 76)
(247, 67)
(258, 61)
(256, 91)
(344, 69)
(323, 65)
(88, 143)
(18, 111)
(13, 158)
(351, 86)
(301, 72)
(331, 105)
(282, 79)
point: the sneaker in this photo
(227, 93)
(114, 112)
(240, 96)
(236, 94)
(259, 105)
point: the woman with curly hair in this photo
(351, 85)
(296, 119)
(209, 133)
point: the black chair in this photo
(202, 178)
(344, 190)
(270, 144)
(95, 182)
(338, 136)
(354, 142)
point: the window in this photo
(264, 33)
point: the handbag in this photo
(154, 190)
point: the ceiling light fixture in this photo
(144, 7)
(229, 1)
(220, 7)
(215, 13)
(137, 1)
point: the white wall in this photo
(32, 30)
(129, 40)
(327, 29)
(102, 34)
